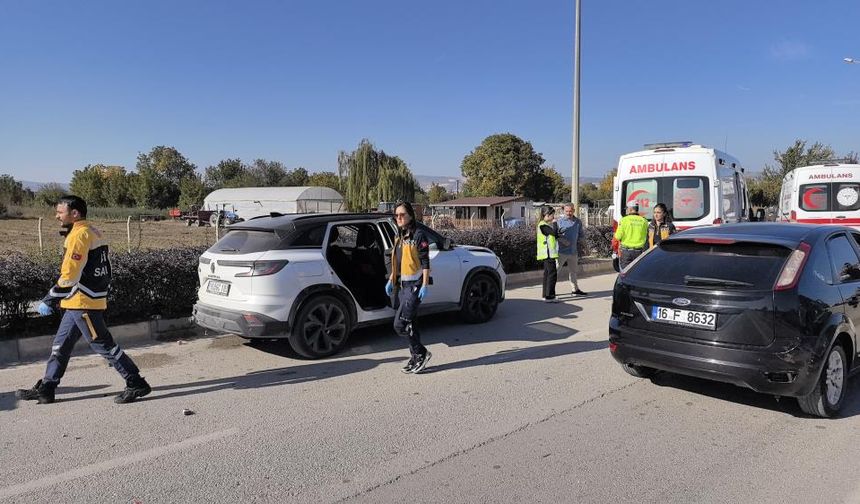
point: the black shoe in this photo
(135, 387)
(578, 292)
(409, 365)
(42, 393)
(421, 363)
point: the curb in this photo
(38, 348)
(585, 269)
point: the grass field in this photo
(22, 235)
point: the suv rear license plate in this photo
(689, 318)
(218, 287)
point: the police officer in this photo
(547, 251)
(631, 234)
(81, 292)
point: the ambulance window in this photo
(847, 196)
(729, 192)
(643, 192)
(688, 198)
(814, 197)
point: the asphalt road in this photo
(529, 407)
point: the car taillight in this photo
(262, 268)
(718, 221)
(793, 216)
(715, 241)
(792, 268)
(613, 347)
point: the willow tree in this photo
(371, 176)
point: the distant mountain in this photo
(450, 183)
(35, 186)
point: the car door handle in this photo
(840, 216)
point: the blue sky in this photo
(298, 80)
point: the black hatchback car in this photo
(772, 307)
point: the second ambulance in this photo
(827, 193)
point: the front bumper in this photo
(245, 324)
(786, 373)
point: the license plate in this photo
(689, 318)
(218, 287)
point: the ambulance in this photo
(699, 185)
(827, 193)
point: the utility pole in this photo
(574, 196)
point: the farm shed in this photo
(249, 202)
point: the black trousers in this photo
(550, 277)
(407, 312)
(628, 255)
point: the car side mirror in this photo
(446, 244)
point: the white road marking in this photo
(93, 469)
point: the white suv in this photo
(313, 278)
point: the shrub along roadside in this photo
(164, 283)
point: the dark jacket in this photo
(666, 229)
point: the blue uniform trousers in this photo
(91, 325)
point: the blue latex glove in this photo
(422, 292)
(389, 288)
(45, 310)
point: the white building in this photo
(249, 202)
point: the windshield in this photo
(687, 198)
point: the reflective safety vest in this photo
(547, 246)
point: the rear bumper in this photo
(786, 373)
(245, 324)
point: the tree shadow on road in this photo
(740, 395)
(523, 354)
(515, 320)
(291, 375)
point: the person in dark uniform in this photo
(410, 261)
(81, 292)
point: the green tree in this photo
(227, 173)
(88, 183)
(268, 173)
(437, 194)
(370, 176)
(191, 191)
(12, 192)
(764, 190)
(504, 165)
(49, 194)
(116, 189)
(161, 171)
(325, 179)
(295, 178)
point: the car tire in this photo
(321, 327)
(829, 392)
(639, 371)
(480, 299)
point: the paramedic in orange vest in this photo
(410, 261)
(81, 293)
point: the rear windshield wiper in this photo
(696, 280)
